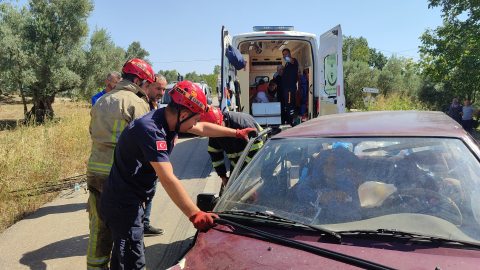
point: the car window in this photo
(166, 98)
(266, 79)
(364, 183)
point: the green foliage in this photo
(357, 74)
(359, 50)
(101, 57)
(397, 102)
(41, 48)
(135, 50)
(210, 80)
(170, 75)
(450, 53)
(193, 77)
(217, 69)
(397, 77)
(377, 59)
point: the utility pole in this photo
(348, 53)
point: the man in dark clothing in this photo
(143, 153)
(290, 78)
(231, 146)
(454, 111)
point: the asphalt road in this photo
(56, 235)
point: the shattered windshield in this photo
(424, 185)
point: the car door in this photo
(227, 74)
(330, 66)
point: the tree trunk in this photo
(42, 109)
(24, 101)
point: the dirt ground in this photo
(11, 109)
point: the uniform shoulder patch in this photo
(161, 145)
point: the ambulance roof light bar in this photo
(272, 28)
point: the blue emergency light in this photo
(272, 28)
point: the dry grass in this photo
(31, 155)
(396, 102)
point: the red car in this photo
(373, 190)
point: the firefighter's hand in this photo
(244, 133)
(224, 180)
(202, 221)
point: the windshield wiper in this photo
(280, 219)
(409, 235)
(306, 247)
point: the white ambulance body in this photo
(262, 51)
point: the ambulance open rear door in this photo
(331, 98)
(227, 75)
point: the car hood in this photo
(224, 247)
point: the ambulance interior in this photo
(262, 58)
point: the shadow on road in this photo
(163, 256)
(57, 209)
(75, 246)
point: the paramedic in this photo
(289, 83)
(143, 153)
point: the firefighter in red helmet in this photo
(231, 146)
(143, 153)
(109, 116)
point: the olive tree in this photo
(41, 49)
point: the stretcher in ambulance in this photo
(262, 52)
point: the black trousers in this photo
(288, 104)
(126, 224)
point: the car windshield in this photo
(423, 185)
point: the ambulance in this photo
(262, 52)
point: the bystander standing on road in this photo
(109, 116)
(290, 78)
(143, 153)
(155, 93)
(231, 146)
(455, 111)
(467, 116)
(112, 79)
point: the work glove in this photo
(202, 221)
(244, 133)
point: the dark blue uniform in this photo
(132, 182)
(289, 83)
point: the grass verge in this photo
(32, 155)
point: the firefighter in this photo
(231, 146)
(143, 153)
(110, 114)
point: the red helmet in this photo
(140, 68)
(189, 95)
(214, 115)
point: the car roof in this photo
(379, 123)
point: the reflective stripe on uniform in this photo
(247, 159)
(92, 261)
(101, 167)
(256, 146)
(232, 163)
(218, 163)
(214, 150)
(234, 155)
(117, 130)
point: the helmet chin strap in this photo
(179, 123)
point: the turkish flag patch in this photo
(161, 145)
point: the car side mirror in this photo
(207, 201)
